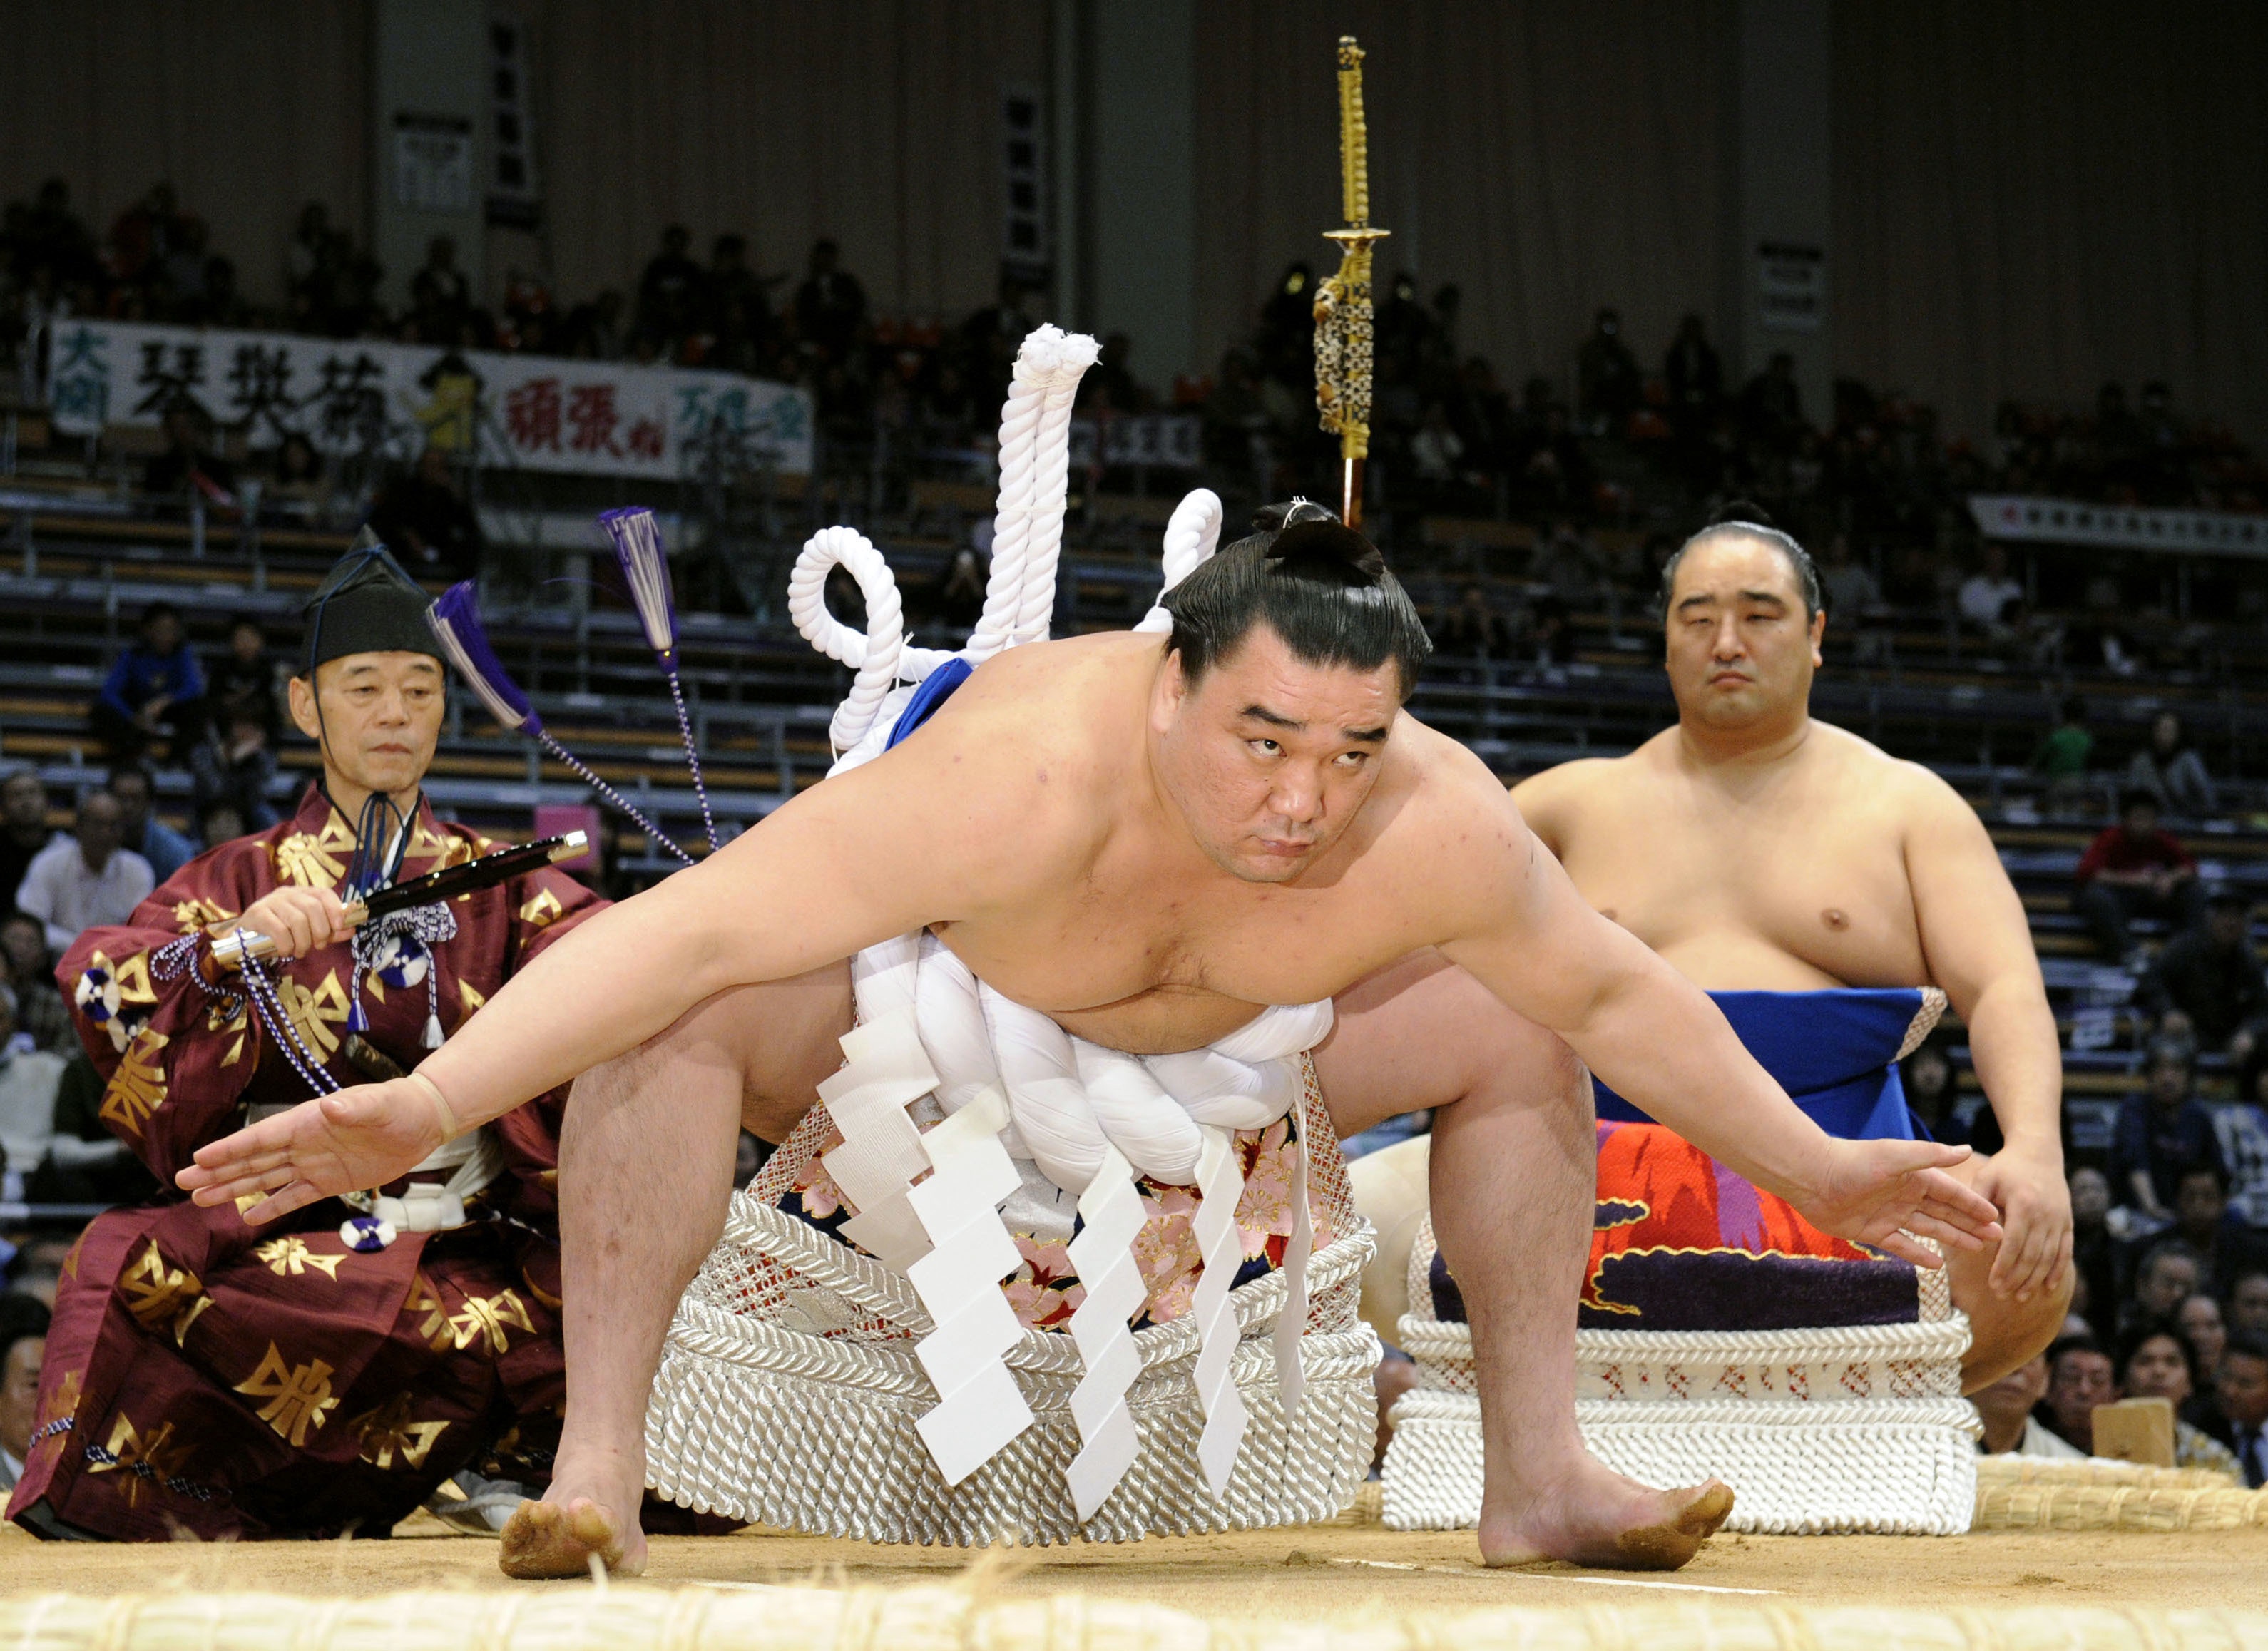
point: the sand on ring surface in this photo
(1313, 1573)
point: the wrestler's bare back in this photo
(1788, 875)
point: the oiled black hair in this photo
(1749, 521)
(1320, 585)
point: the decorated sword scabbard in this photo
(1343, 301)
(230, 950)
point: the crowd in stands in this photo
(1450, 437)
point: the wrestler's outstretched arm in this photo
(1519, 926)
(912, 837)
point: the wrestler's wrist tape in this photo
(450, 1127)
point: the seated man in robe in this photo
(1144, 840)
(328, 1374)
(1818, 890)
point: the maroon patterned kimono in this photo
(226, 1380)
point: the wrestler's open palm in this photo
(359, 1138)
(1886, 1193)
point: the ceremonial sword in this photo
(230, 951)
(1343, 310)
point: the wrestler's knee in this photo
(1514, 1062)
(674, 1059)
(2004, 1333)
(1422, 1032)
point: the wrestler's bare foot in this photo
(1598, 1518)
(578, 1517)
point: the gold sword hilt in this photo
(1354, 138)
(1343, 302)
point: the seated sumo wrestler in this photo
(207, 1378)
(1238, 815)
(1817, 890)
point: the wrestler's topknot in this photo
(1750, 520)
(1318, 583)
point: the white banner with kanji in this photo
(2023, 519)
(365, 396)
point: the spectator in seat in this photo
(1771, 403)
(1988, 594)
(830, 305)
(2170, 769)
(28, 1079)
(1569, 564)
(92, 1177)
(156, 689)
(41, 1163)
(2007, 1409)
(423, 516)
(298, 474)
(2207, 985)
(220, 822)
(234, 771)
(739, 312)
(593, 330)
(189, 462)
(140, 829)
(2248, 1304)
(2063, 757)
(2161, 1135)
(2241, 1386)
(2079, 1378)
(2170, 1273)
(223, 303)
(1695, 376)
(1847, 583)
(1110, 385)
(23, 1341)
(29, 968)
(960, 597)
(1607, 376)
(1472, 626)
(1438, 452)
(23, 830)
(669, 294)
(2242, 1128)
(2205, 1222)
(2094, 1250)
(2158, 1363)
(1928, 1079)
(248, 670)
(2133, 870)
(87, 879)
(438, 290)
(2199, 1318)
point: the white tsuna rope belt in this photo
(1012, 1084)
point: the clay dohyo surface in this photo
(1315, 1572)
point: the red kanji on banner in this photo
(644, 439)
(531, 415)
(591, 410)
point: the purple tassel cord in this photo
(456, 621)
(613, 796)
(645, 571)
